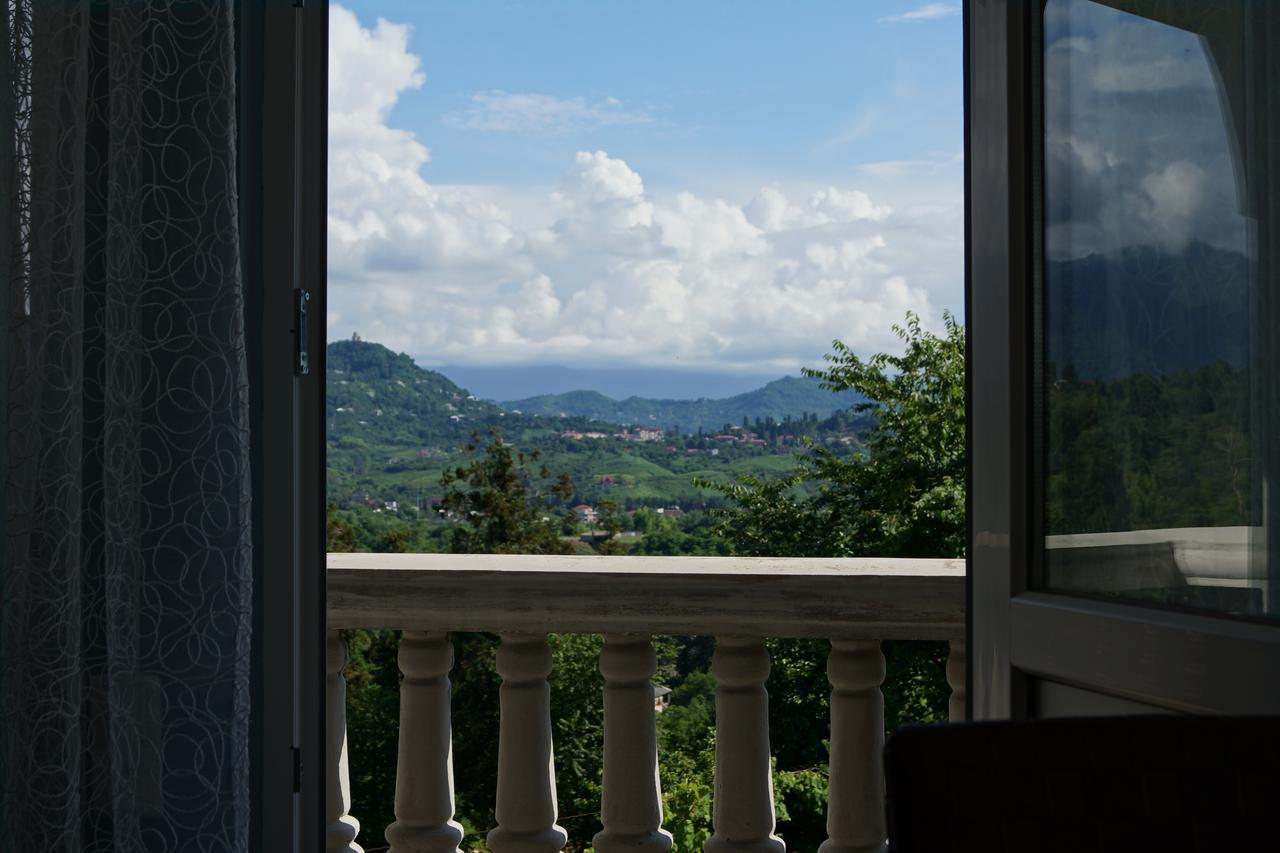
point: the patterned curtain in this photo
(125, 586)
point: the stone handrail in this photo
(854, 598)
(854, 602)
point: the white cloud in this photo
(602, 269)
(772, 211)
(531, 111)
(1138, 148)
(368, 71)
(928, 12)
(1175, 198)
(596, 178)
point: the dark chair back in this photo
(1086, 785)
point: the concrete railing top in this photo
(848, 598)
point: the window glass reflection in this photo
(1156, 303)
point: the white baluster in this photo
(526, 802)
(743, 817)
(340, 827)
(424, 763)
(855, 794)
(631, 807)
(957, 661)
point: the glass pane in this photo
(1159, 300)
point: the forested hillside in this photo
(378, 396)
(395, 428)
(783, 399)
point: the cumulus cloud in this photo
(532, 111)
(772, 211)
(368, 71)
(597, 266)
(928, 12)
(1138, 148)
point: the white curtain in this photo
(125, 588)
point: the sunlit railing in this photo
(856, 603)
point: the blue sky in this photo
(714, 185)
(721, 91)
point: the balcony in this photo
(856, 603)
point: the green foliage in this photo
(686, 742)
(340, 536)
(904, 494)
(798, 701)
(687, 726)
(373, 707)
(1150, 452)
(611, 522)
(577, 720)
(499, 506)
(687, 794)
(363, 529)
(801, 802)
(694, 535)
(475, 684)
(915, 685)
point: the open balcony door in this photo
(1123, 305)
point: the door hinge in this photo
(302, 360)
(297, 770)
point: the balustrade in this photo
(855, 669)
(341, 828)
(424, 762)
(631, 804)
(855, 603)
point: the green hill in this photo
(378, 396)
(393, 428)
(790, 397)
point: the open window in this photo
(1123, 307)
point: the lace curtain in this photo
(125, 588)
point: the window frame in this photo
(283, 90)
(1164, 660)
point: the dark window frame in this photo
(283, 90)
(999, 310)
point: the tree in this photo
(611, 522)
(903, 495)
(340, 537)
(500, 507)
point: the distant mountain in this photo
(379, 396)
(1143, 310)
(517, 381)
(782, 398)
